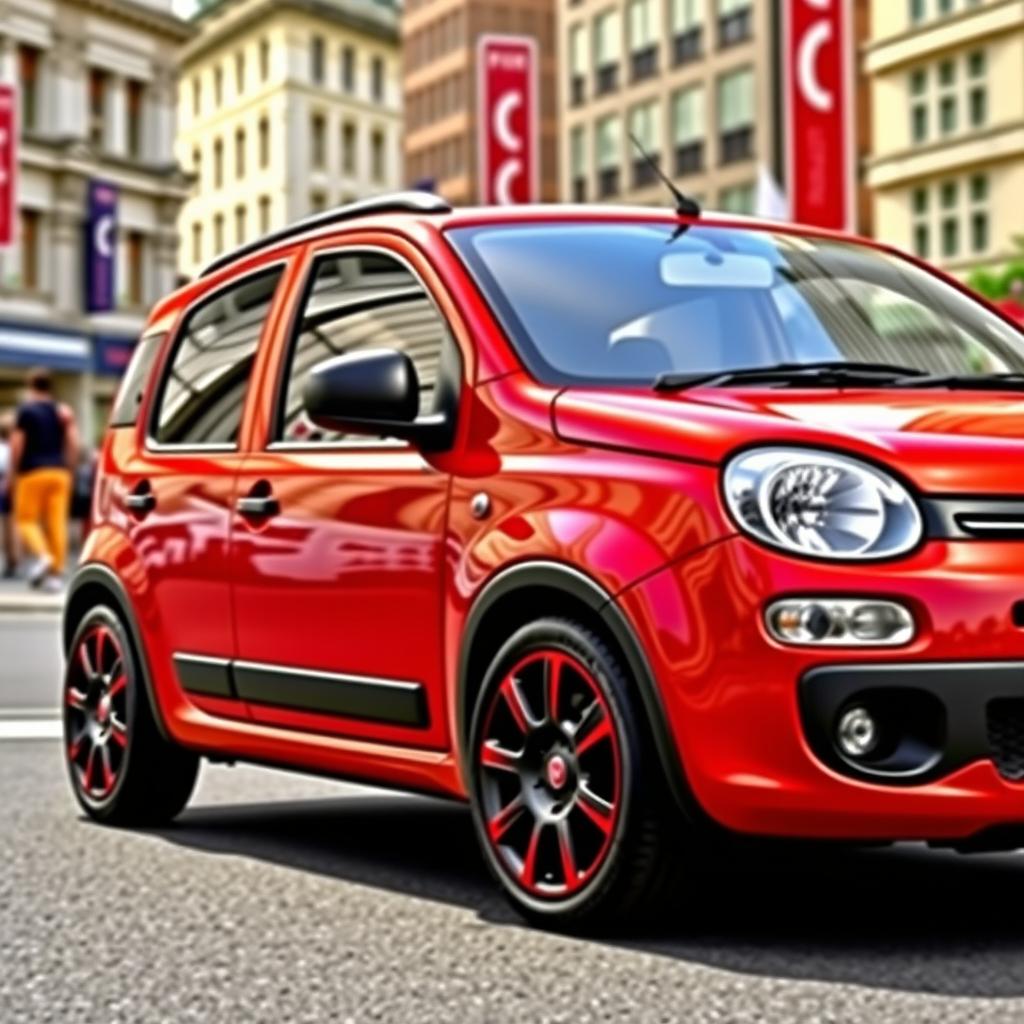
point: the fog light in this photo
(850, 622)
(857, 734)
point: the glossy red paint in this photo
(377, 559)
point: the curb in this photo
(41, 604)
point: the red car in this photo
(626, 526)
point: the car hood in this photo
(944, 441)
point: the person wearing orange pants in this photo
(43, 448)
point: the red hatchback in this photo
(621, 525)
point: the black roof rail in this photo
(395, 202)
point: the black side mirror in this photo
(376, 391)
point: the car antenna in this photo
(685, 206)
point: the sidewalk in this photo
(17, 597)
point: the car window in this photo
(203, 390)
(624, 303)
(132, 389)
(360, 300)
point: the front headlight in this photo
(819, 504)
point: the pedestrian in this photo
(44, 448)
(7, 543)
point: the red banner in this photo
(818, 53)
(8, 163)
(509, 144)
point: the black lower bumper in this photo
(933, 717)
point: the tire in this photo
(122, 770)
(570, 804)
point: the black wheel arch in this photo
(93, 584)
(549, 587)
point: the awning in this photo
(20, 346)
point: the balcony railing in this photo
(690, 158)
(607, 79)
(736, 145)
(643, 173)
(644, 63)
(608, 182)
(735, 28)
(577, 89)
(688, 46)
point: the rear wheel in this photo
(569, 805)
(123, 772)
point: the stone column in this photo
(66, 88)
(67, 226)
(116, 116)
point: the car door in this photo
(337, 541)
(179, 491)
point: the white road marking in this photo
(31, 729)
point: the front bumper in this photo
(753, 719)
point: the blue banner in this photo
(100, 247)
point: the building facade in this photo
(947, 94)
(440, 73)
(96, 91)
(692, 80)
(286, 107)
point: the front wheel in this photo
(122, 770)
(569, 804)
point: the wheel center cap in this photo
(556, 771)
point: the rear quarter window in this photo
(132, 390)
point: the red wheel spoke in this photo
(552, 684)
(87, 666)
(516, 704)
(505, 819)
(108, 772)
(493, 756)
(568, 856)
(90, 762)
(101, 638)
(118, 732)
(77, 743)
(594, 727)
(599, 811)
(528, 872)
(118, 684)
(75, 698)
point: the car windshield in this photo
(628, 303)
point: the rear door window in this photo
(203, 390)
(132, 390)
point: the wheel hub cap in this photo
(557, 772)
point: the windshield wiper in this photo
(816, 375)
(1013, 381)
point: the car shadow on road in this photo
(904, 918)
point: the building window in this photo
(735, 22)
(378, 162)
(643, 40)
(687, 31)
(29, 243)
(29, 61)
(317, 202)
(240, 153)
(264, 59)
(689, 130)
(377, 79)
(947, 97)
(135, 99)
(134, 265)
(348, 148)
(917, 11)
(738, 199)
(197, 242)
(241, 227)
(348, 69)
(919, 105)
(609, 156)
(980, 234)
(578, 164)
(577, 64)
(98, 83)
(607, 51)
(264, 214)
(264, 142)
(950, 197)
(317, 60)
(644, 126)
(218, 86)
(240, 72)
(922, 229)
(197, 165)
(736, 116)
(197, 96)
(218, 164)
(318, 141)
(977, 95)
(218, 233)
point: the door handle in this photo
(258, 506)
(141, 500)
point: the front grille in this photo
(1005, 719)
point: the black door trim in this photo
(204, 675)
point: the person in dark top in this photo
(44, 447)
(7, 544)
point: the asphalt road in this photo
(278, 898)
